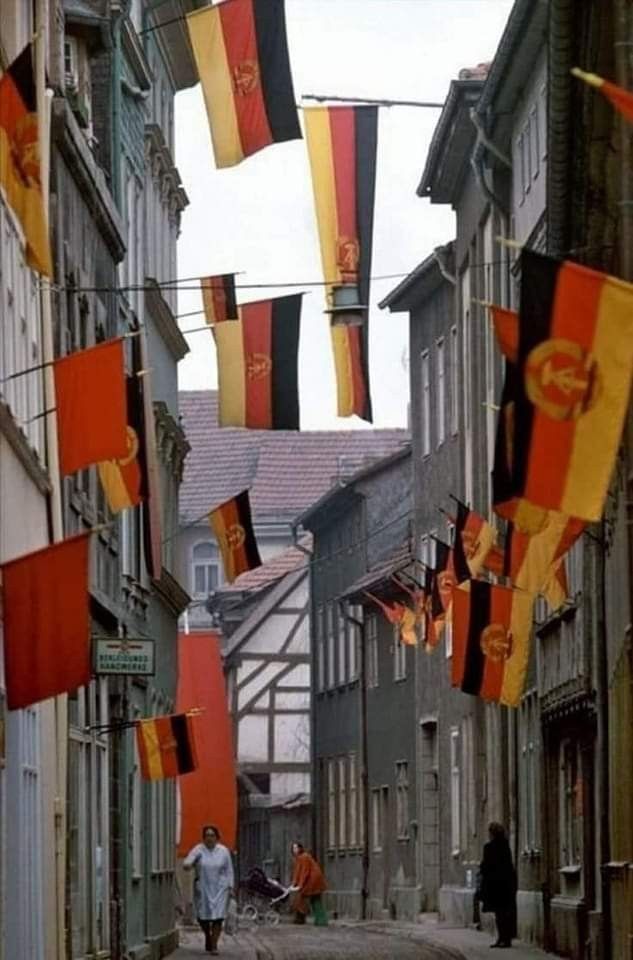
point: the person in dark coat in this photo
(498, 885)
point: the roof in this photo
(381, 573)
(286, 471)
(452, 139)
(274, 569)
(422, 282)
(344, 492)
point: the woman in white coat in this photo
(213, 884)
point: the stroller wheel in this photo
(249, 915)
(272, 918)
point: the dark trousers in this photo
(212, 930)
(506, 924)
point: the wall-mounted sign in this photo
(126, 655)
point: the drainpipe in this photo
(44, 102)
(364, 770)
(115, 92)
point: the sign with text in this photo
(124, 655)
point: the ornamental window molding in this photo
(160, 164)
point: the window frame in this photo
(399, 656)
(425, 401)
(402, 800)
(440, 384)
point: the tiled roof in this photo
(274, 569)
(287, 471)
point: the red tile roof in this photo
(274, 569)
(286, 471)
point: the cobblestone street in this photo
(355, 941)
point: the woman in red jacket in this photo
(309, 883)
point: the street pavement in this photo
(380, 940)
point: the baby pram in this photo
(262, 898)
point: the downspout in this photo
(483, 143)
(55, 505)
(560, 62)
(364, 769)
(115, 92)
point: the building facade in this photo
(365, 827)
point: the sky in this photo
(258, 218)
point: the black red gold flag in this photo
(258, 365)
(90, 398)
(506, 324)
(218, 298)
(46, 619)
(444, 580)
(241, 52)
(620, 98)
(400, 615)
(166, 746)
(535, 562)
(565, 399)
(491, 641)
(342, 144)
(125, 482)
(232, 525)
(475, 540)
(20, 170)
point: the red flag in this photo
(90, 397)
(46, 622)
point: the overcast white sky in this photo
(258, 217)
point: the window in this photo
(20, 341)
(331, 643)
(372, 650)
(425, 387)
(534, 141)
(376, 832)
(402, 800)
(162, 814)
(571, 804)
(331, 804)
(353, 802)
(205, 575)
(441, 392)
(342, 803)
(320, 648)
(88, 804)
(343, 627)
(136, 824)
(354, 635)
(455, 792)
(399, 655)
(454, 374)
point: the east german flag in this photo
(475, 541)
(20, 173)
(620, 98)
(431, 637)
(166, 746)
(241, 52)
(534, 562)
(233, 528)
(506, 327)
(342, 143)
(46, 619)
(90, 399)
(258, 365)
(569, 389)
(491, 641)
(125, 482)
(218, 298)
